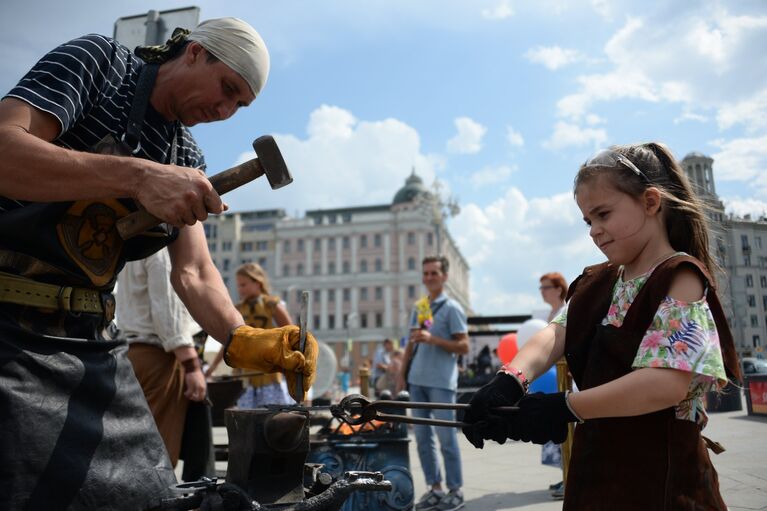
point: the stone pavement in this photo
(511, 477)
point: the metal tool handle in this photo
(139, 221)
(303, 307)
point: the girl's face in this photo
(248, 288)
(549, 292)
(619, 224)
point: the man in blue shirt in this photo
(431, 355)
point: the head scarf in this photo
(230, 40)
(237, 45)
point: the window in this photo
(226, 264)
(317, 244)
(332, 219)
(286, 270)
(411, 238)
(379, 293)
(363, 266)
(298, 295)
(316, 296)
(751, 301)
(758, 241)
(331, 243)
(430, 239)
(300, 245)
(756, 341)
(286, 246)
(284, 296)
(411, 291)
(346, 267)
(379, 320)
(379, 265)
(317, 220)
(363, 320)
(246, 246)
(744, 240)
(363, 241)
(262, 262)
(345, 242)
(246, 261)
(763, 281)
(262, 245)
(226, 246)
(754, 321)
(212, 246)
(299, 269)
(347, 294)
(346, 218)
(749, 281)
(345, 320)
(764, 302)
(411, 263)
(331, 268)
(331, 321)
(331, 295)
(746, 260)
(363, 293)
(377, 240)
(316, 321)
(316, 270)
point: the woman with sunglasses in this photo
(644, 336)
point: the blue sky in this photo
(499, 100)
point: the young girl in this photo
(259, 310)
(644, 336)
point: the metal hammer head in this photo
(271, 161)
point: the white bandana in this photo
(238, 45)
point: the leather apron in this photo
(648, 462)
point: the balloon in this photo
(547, 382)
(507, 347)
(528, 329)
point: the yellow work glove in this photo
(273, 350)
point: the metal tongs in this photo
(356, 409)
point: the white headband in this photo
(238, 45)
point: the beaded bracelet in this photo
(517, 375)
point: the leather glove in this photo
(541, 418)
(273, 350)
(502, 390)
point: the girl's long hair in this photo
(683, 212)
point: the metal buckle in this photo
(133, 151)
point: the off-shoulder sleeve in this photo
(561, 318)
(683, 336)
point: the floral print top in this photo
(682, 336)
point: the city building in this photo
(361, 265)
(740, 245)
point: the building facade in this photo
(361, 265)
(740, 246)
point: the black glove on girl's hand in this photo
(541, 418)
(502, 390)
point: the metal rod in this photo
(302, 312)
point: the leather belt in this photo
(23, 291)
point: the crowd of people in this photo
(94, 131)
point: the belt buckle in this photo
(108, 306)
(64, 298)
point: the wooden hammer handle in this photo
(139, 221)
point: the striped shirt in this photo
(88, 85)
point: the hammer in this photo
(269, 162)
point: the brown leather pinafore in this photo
(648, 462)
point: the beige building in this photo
(361, 265)
(740, 245)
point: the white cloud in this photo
(569, 134)
(745, 206)
(689, 115)
(532, 236)
(514, 137)
(468, 140)
(752, 112)
(741, 159)
(501, 10)
(491, 175)
(341, 162)
(553, 57)
(594, 119)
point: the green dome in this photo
(413, 188)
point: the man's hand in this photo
(423, 336)
(273, 350)
(177, 195)
(541, 418)
(502, 390)
(195, 387)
